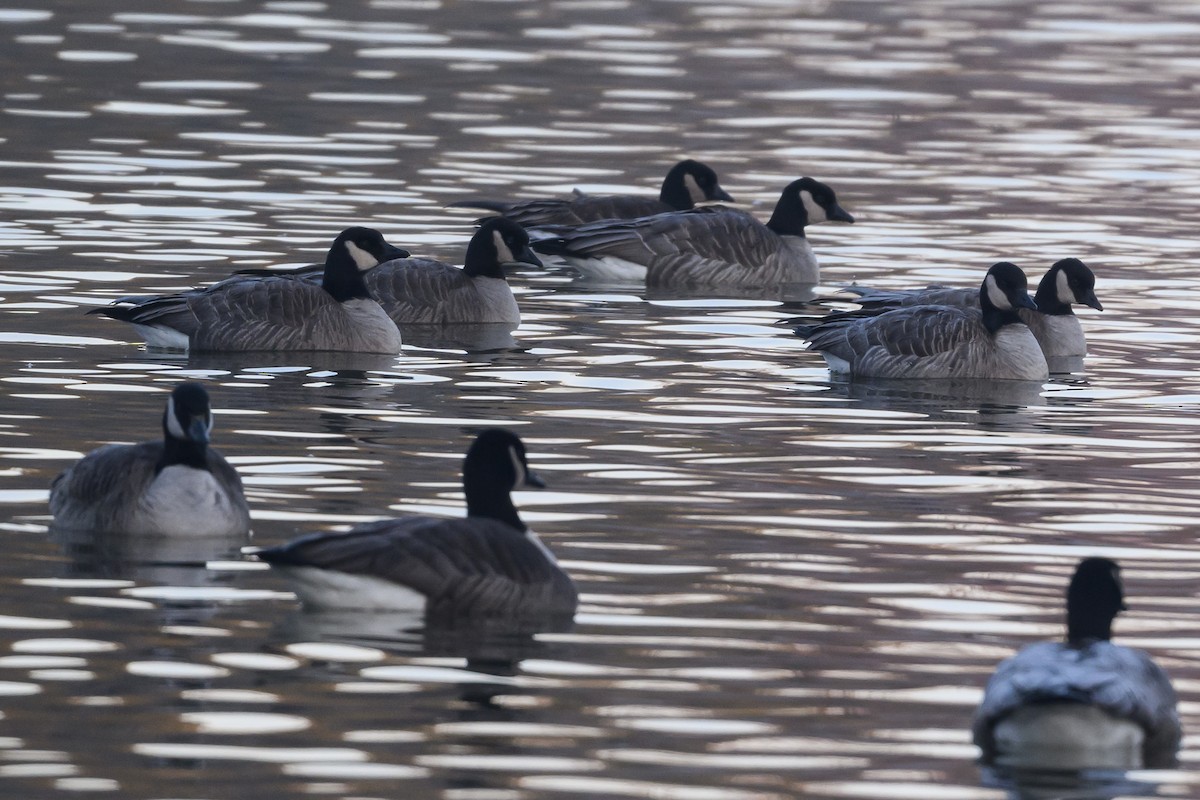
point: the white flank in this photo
(1063, 289)
(327, 588)
(164, 338)
(838, 366)
(183, 501)
(609, 268)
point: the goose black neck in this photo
(182, 452)
(1094, 598)
(1047, 296)
(487, 499)
(789, 216)
(342, 278)
(481, 260)
(674, 191)
(994, 318)
(1086, 621)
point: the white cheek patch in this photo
(504, 253)
(811, 207)
(173, 426)
(996, 295)
(1063, 287)
(518, 468)
(694, 191)
(362, 258)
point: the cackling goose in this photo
(283, 312)
(687, 184)
(486, 564)
(174, 487)
(712, 245)
(938, 341)
(1082, 703)
(1054, 324)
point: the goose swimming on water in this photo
(486, 564)
(708, 246)
(687, 184)
(178, 486)
(988, 340)
(1084, 702)
(1054, 323)
(284, 312)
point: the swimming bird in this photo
(1084, 699)
(988, 340)
(711, 245)
(175, 487)
(283, 312)
(1054, 323)
(486, 564)
(687, 184)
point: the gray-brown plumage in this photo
(713, 245)
(175, 486)
(938, 341)
(283, 312)
(687, 184)
(1054, 323)
(486, 564)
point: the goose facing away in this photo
(1085, 702)
(707, 246)
(282, 312)
(484, 565)
(418, 290)
(1054, 323)
(178, 486)
(687, 184)
(938, 341)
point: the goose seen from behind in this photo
(178, 486)
(707, 246)
(1083, 702)
(1054, 324)
(687, 184)
(487, 564)
(278, 312)
(987, 341)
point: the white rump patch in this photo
(811, 207)
(163, 338)
(327, 588)
(504, 254)
(996, 295)
(362, 258)
(694, 191)
(617, 270)
(1063, 287)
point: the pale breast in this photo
(183, 501)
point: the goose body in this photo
(708, 246)
(686, 185)
(1053, 323)
(938, 341)
(174, 487)
(1085, 702)
(486, 564)
(284, 312)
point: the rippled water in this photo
(791, 588)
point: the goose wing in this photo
(930, 295)
(917, 332)
(582, 210)
(471, 565)
(417, 290)
(102, 483)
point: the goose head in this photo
(1094, 598)
(690, 183)
(1005, 289)
(806, 202)
(187, 423)
(1068, 281)
(494, 467)
(355, 251)
(498, 243)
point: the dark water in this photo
(791, 588)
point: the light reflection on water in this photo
(790, 587)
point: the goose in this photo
(486, 564)
(1086, 699)
(175, 487)
(687, 184)
(417, 291)
(281, 312)
(938, 341)
(1054, 324)
(711, 245)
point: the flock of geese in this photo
(1084, 691)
